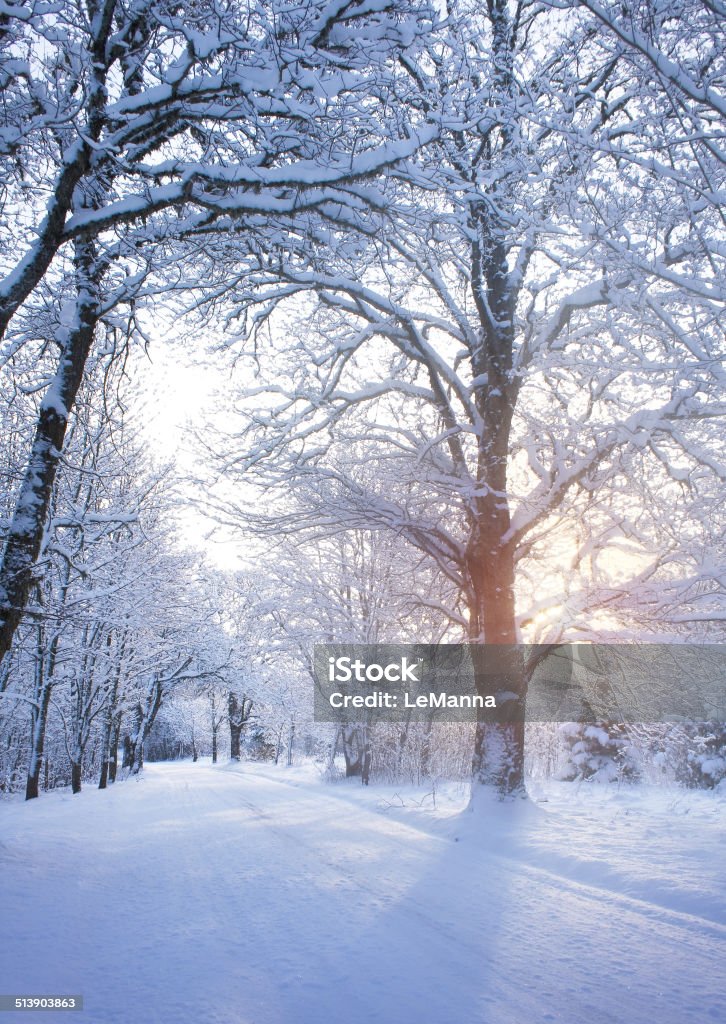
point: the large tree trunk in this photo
(103, 779)
(76, 776)
(498, 759)
(68, 193)
(498, 756)
(239, 711)
(25, 535)
(351, 742)
(235, 734)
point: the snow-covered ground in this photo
(255, 895)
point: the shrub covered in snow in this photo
(702, 763)
(597, 752)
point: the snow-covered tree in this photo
(131, 133)
(702, 754)
(511, 346)
(113, 623)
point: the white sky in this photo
(180, 392)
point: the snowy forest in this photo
(461, 273)
(366, 322)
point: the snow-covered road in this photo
(200, 895)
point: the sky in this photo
(180, 393)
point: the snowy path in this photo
(197, 895)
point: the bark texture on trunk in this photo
(113, 759)
(353, 743)
(145, 718)
(290, 743)
(40, 719)
(25, 536)
(110, 723)
(498, 756)
(45, 659)
(235, 735)
(239, 711)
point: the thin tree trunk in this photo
(146, 717)
(44, 669)
(290, 741)
(110, 712)
(38, 740)
(425, 760)
(106, 741)
(113, 761)
(215, 723)
(366, 759)
(106, 747)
